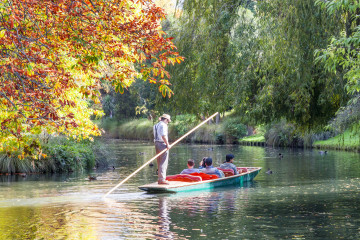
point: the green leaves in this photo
(119, 87)
(343, 52)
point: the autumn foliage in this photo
(55, 54)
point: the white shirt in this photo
(160, 129)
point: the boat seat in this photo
(227, 172)
(242, 169)
(184, 178)
(205, 176)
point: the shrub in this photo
(282, 134)
(62, 156)
(137, 129)
(220, 138)
(182, 124)
(234, 129)
(205, 134)
(69, 155)
(310, 137)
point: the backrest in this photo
(227, 172)
(205, 176)
(242, 169)
(184, 178)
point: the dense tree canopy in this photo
(342, 54)
(288, 83)
(257, 57)
(204, 34)
(54, 55)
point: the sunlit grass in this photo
(137, 129)
(254, 138)
(349, 140)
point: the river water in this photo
(308, 196)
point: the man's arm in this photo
(235, 170)
(164, 138)
(219, 173)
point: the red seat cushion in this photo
(242, 169)
(205, 176)
(227, 172)
(184, 178)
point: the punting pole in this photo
(157, 155)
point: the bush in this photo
(137, 129)
(346, 117)
(12, 165)
(62, 156)
(234, 129)
(310, 137)
(282, 134)
(183, 124)
(205, 134)
(220, 138)
(69, 155)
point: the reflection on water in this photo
(164, 220)
(309, 196)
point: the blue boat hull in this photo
(236, 180)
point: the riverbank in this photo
(64, 155)
(231, 131)
(347, 141)
(59, 154)
(228, 131)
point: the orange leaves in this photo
(142, 57)
(165, 90)
(117, 40)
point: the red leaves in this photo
(70, 115)
(37, 37)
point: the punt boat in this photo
(179, 186)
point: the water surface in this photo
(308, 196)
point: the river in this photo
(308, 196)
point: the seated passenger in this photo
(229, 163)
(190, 168)
(209, 169)
(202, 163)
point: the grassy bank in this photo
(349, 140)
(254, 138)
(62, 155)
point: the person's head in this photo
(208, 162)
(165, 118)
(229, 157)
(191, 163)
(202, 163)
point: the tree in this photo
(342, 54)
(55, 53)
(204, 34)
(341, 57)
(287, 84)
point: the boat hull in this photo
(175, 186)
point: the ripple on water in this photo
(308, 196)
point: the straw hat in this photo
(167, 116)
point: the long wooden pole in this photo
(157, 155)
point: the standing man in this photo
(161, 143)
